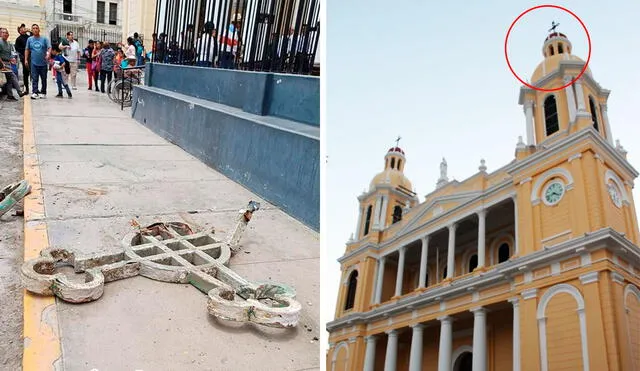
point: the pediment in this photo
(436, 206)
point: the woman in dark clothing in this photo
(106, 64)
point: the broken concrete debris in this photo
(12, 194)
(170, 252)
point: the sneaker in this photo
(59, 95)
(42, 96)
(74, 88)
(35, 96)
(15, 94)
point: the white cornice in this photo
(603, 238)
(569, 142)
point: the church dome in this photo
(393, 174)
(556, 49)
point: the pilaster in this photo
(624, 351)
(580, 222)
(529, 336)
(595, 330)
(356, 354)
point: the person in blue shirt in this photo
(37, 52)
(63, 68)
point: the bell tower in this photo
(575, 180)
(389, 197)
(552, 115)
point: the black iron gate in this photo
(83, 34)
(257, 35)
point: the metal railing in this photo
(256, 35)
(83, 34)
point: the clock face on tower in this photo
(553, 193)
(614, 192)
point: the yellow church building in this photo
(534, 266)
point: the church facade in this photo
(534, 266)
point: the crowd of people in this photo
(37, 55)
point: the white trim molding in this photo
(505, 237)
(617, 278)
(588, 278)
(542, 322)
(542, 179)
(515, 301)
(610, 175)
(336, 350)
(458, 352)
(630, 289)
(529, 294)
(574, 157)
(348, 272)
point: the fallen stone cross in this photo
(170, 252)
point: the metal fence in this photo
(83, 34)
(256, 35)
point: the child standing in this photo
(63, 69)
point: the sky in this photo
(435, 74)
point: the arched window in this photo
(393, 163)
(560, 49)
(399, 162)
(551, 115)
(473, 263)
(503, 253)
(550, 50)
(367, 221)
(351, 290)
(397, 214)
(594, 113)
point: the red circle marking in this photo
(507, 55)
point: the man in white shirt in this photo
(73, 56)
(207, 47)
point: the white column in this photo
(607, 127)
(400, 272)
(390, 360)
(580, 96)
(383, 212)
(359, 225)
(451, 250)
(528, 111)
(571, 100)
(376, 214)
(423, 262)
(515, 212)
(415, 359)
(379, 279)
(482, 214)
(479, 339)
(516, 333)
(444, 351)
(370, 354)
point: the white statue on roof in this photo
(443, 169)
(443, 174)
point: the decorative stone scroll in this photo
(170, 252)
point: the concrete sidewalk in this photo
(100, 169)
